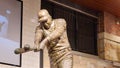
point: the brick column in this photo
(109, 37)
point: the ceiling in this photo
(111, 6)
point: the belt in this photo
(58, 56)
(62, 50)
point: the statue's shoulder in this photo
(60, 20)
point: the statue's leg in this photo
(67, 62)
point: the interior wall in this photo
(30, 10)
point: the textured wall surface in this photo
(111, 26)
(83, 60)
(109, 39)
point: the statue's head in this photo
(44, 17)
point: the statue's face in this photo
(43, 16)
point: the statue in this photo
(52, 34)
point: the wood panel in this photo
(111, 6)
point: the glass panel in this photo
(10, 31)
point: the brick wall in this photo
(111, 26)
(109, 39)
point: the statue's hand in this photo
(36, 48)
(44, 43)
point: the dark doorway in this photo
(81, 29)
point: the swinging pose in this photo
(52, 34)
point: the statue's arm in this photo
(38, 36)
(59, 30)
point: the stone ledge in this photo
(105, 35)
(116, 64)
(89, 56)
(107, 62)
